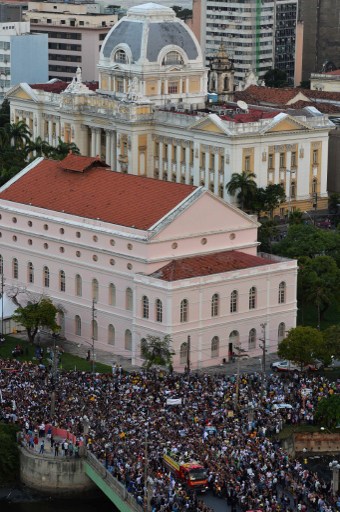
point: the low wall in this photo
(54, 475)
(317, 442)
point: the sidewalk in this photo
(250, 364)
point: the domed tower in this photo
(221, 75)
(152, 55)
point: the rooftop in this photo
(257, 95)
(85, 187)
(216, 263)
(59, 86)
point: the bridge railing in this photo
(112, 482)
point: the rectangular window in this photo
(192, 156)
(182, 155)
(293, 159)
(202, 160)
(270, 161)
(282, 160)
(157, 149)
(120, 85)
(211, 161)
(247, 164)
(173, 88)
(315, 156)
(165, 152)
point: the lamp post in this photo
(240, 354)
(264, 351)
(334, 466)
(311, 218)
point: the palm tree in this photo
(244, 187)
(63, 149)
(19, 134)
(40, 147)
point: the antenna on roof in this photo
(242, 105)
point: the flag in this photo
(174, 401)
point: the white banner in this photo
(174, 401)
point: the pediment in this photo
(22, 92)
(212, 124)
(285, 123)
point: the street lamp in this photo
(311, 218)
(334, 466)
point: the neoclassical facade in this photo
(156, 257)
(146, 117)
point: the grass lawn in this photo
(69, 361)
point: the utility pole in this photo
(94, 314)
(188, 354)
(264, 350)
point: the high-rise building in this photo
(258, 34)
(76, 31)
(23, 56)
(321, 34)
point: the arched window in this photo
(252, 298)
(120, 56)
(95, 290)
(281, 332)
(282, 292)
(172, 58)
(1, 265)
(293, 189)
(77, 325)
(145, 307)
(112, 294)
(159, 310)
(128, 340)
(128, 299)
(252, 339)
(95, 330)
(215, 346)
(184, 310)
(215, 305)
(30, 272)
(183, 353)
(111, 335)
(226, 84)
(79, 286)
(15, 268)
(233, 301)
(62, 281)
(46, 277)
(234, 337)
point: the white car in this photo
(284, 366)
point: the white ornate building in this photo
(157, 257)
(143, 117)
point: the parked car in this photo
(289, 366)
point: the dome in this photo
(142, 35)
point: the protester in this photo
(117, 415)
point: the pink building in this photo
(157, 257)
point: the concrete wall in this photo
(317, 442)
(53, 475)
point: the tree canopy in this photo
(243, 185)
(36, 315)
(302, 345)
(328, 411)
(275, 78)
(157, 351)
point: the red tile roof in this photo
(78, 163)
(97, 193)
(59, 86)
(209, 264)
(251, 117)
(324, 108)
(335, 72)
(257, 95)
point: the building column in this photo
(114, 151)
(98, 142)
(178, 164)
(93, 142)
(108, 147)
(206, 171)
(160, 160)
(169, 162)
(187, 164)
(216, 173)
(50, 134)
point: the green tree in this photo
(9, 454)
(318, 283)
(18, 134)
(244, 187)
(333, 201)
(157, 351)
(275, 78)
(63, 149)
(35, 315)
(267, 232)
(331, 337)
(4, 113)
(274, 195)
(295, 217)
(40, 147)
(301, 345)
(328, 411)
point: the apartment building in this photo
(23, 56)
(76, 31)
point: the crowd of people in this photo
(124, 419)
